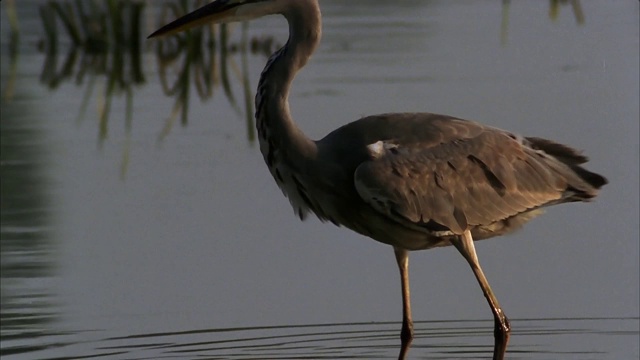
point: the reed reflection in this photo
(576, 8)
(554, 12)
(205, 58)
(8, 90)
(28, 310)
(105, 42)
(105, 54)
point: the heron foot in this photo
(406, 337)
(501, 334)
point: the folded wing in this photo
(465, 182)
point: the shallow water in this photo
(139, 220)
(533, 339)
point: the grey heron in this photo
(410, 180)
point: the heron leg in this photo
(402, 258)
(465, 246)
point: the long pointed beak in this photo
(215, 12)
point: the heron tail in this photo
(583, 184)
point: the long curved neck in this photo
(279, 135)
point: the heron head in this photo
(222, 11)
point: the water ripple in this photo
(576, 338)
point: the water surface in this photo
(139, 220)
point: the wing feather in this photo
(462, 182)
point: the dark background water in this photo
(139, 220)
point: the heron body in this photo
(410, 180)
